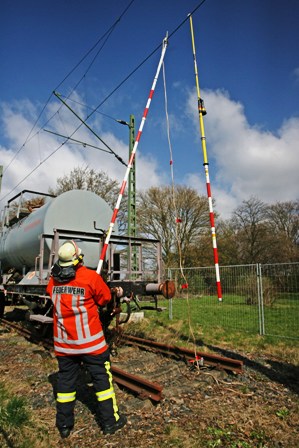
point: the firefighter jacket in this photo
(77, 326)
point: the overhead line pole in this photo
(131, 160)
(201, 113)
(132, 231)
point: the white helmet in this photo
(69, 254)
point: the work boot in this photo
(111, 429)
(64, 431)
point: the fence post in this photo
(170, 315)
(260, 300)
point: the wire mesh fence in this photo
(262, 299)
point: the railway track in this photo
(138, 385)
(216, 361)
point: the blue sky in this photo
(248, 64)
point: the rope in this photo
(177, 221)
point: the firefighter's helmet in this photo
(69, 254)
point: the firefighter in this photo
(76, 293)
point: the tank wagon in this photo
(29, 243)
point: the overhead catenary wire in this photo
(84, 144)
(201, 113)
(71, 100)
(144, 61)
(106, 35)
(100, 104)
(131, 159)
(91, 130)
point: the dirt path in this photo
(205, 408)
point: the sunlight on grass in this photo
(203, 325)
(16, 426)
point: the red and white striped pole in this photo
(202, 112)
(131, 160)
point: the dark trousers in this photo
(99, 368)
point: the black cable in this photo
(87, 107)
(95, 45)
(138, 66)
(115, 89)
(108, 32)
(28, 137)
(146, 59)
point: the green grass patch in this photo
(229, 324)
(16, 424)
(13, 411)
(234, 313)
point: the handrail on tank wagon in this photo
(99, 237)
(5, 216)
(132, 286)
(32, 192)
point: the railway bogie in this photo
(29, 244)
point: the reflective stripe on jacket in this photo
(77, 326)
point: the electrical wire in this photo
(108, 32)
(30, 136)
(146, 59)
(88, 107)
(107, 97)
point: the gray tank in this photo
(75, 210)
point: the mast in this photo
(201, 113)
(131, 160)
(132, 229)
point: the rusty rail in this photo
(139, 386)
(216, 361)
(19, 329)
(142, 387)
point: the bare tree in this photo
(250, 223)
(284, 225)
(98, 182)
(260, 233)
(177, 218)
(228, 243)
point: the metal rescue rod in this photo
(131, 160)
(201, 112)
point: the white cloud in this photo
(247, 160)
(244, 160)
(42, 158)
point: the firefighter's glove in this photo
(118, 291)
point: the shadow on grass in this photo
(280, 372)
(8, 442)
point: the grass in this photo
(17, 428)
(13, 417)
(16, 424)
(13, 411)
(230, 324)
(280, 319)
